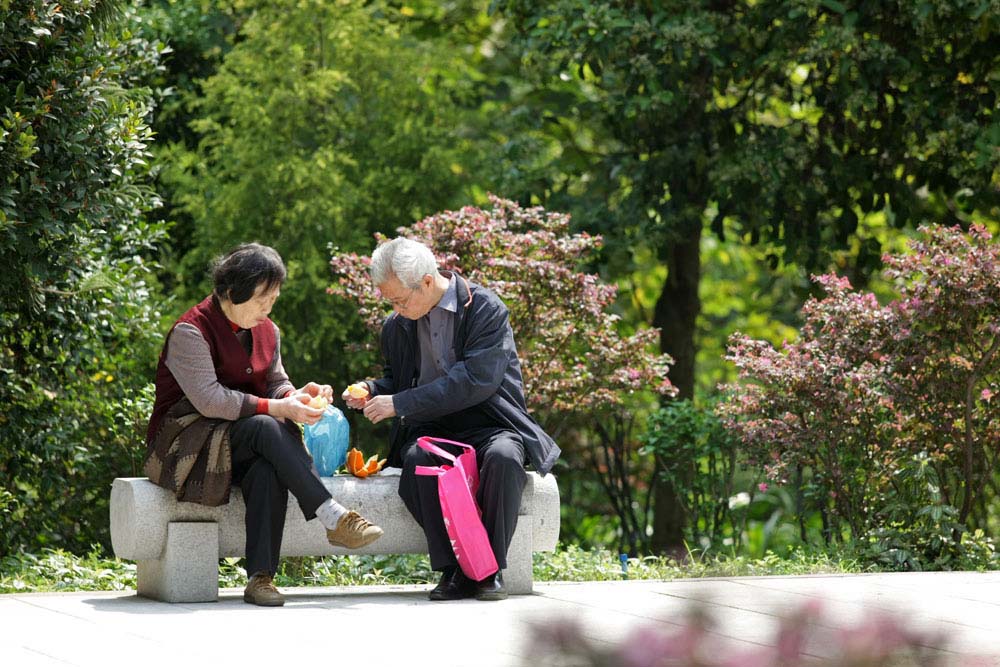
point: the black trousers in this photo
(269, 460)
(500, 458)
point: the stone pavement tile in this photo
(748, 611)
(108, 629)
(611, 612)
(777, 599)
(466, 632)
(950, 602)
(872, 592)
(22, 657)
(644, 605)
(744, 621)
(965, 585)
(395, 625)
(932, 601)
(63, 634)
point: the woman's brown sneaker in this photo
(353, 532)
(260, 591)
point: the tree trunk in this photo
(676, 315)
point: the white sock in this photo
(329, 513)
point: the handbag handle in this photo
(430, 471)
(426, 443)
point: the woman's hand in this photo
(380, 407)
(313, 389)
(295, 407)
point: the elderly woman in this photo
(226, 413)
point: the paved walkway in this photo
(397, 625)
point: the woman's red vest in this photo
(234, 368)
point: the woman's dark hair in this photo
(238, 274)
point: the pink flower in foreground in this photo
(762, 487)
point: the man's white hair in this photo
(408, 260)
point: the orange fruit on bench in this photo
(359, 467)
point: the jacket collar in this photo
(462, 289)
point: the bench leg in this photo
(188, 568)
(518, 576)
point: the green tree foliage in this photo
(698, 457)
(325, 122)
(198, 33)
(788, 120)
(783, 121)
(76, 312)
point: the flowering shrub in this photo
(573, 356)
(888, 407)
(946, 356)
(581, 373)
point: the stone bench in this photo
(178, 545)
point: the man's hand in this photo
(380, 407)
(295, 407)
(352, 402)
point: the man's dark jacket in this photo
(486, 377)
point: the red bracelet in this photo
(262, 405)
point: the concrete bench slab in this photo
(177, 545)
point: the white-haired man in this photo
(452, 371)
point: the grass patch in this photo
(570, 563)
(57, 570)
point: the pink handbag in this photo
(457, 486)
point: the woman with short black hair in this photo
(246, 268)
(226, 412)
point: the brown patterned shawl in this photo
(191, 456)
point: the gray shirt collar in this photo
(449, 300)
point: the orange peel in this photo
(359, 467)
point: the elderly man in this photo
(452, 371)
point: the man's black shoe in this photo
(454, 585)
(491, 588)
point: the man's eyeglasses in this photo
(399, 304)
